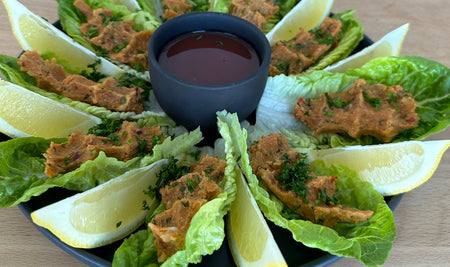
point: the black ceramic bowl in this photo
(192, 104)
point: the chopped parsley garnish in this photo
(322, 38)
(138, 67)
(107, 127)
(328, 39)
(114, 138)
(157, 139)
(294, 175)
(192, 183)
(92, 32)
(119, 47)
(92, 73)
(336, 102)
(128, 80)
(374, 101)
(169, 173)
(123, 100)
(209, 169)
(142, 146)
(393, 100)
(322, 196)
(290, 214)
(284, 67)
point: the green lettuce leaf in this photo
(71, 18)
(10, 71)
(351, 34)
(428, 81)
(153, 7)
(206, 232)
(284, 5)
(370, 241)
(22, 167)
(200, 5)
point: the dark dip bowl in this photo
(204, 62)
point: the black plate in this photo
(295, 253)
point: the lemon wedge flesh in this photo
(392, 168)
(103, 214)
(307, 14)
(26, 113)
(389, 45)
(34, 33)
(249, 237)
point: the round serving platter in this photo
(295, 253)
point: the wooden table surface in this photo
(423, 227)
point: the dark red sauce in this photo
(209, 58)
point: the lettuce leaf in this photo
(206, 232)
(22, 167)
(284, 5)
(351, 34)
(370, 242)
(153, 7)
(428, 81)
(200, 5)
(10, 71)
(71, 18)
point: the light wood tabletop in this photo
(421, 218)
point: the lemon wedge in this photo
(26, 113)
(389, 45)
(249, 237)
(34, 33)
(307, 14)
(392, 168)
(103, 214)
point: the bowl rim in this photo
(264, 55)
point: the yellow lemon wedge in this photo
(307, 14)
(392, 168)
(103, 214)
(389, 45)
(35, 33)
(249, 237)
(26, 113)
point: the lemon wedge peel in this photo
(71, 219)
(307, 14)
(389, 45)
(33, 33)
(26, 113)
(249, 237)
(391, 168)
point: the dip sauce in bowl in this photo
(209, 58)
(204, 62)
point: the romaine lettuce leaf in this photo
(351, 34)
(71, 18)
(206, 232)
(370, 241)
(22, 167)
(10, 71)
(200, 5)
(154, 7)
(284, 5)
(428, 81)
